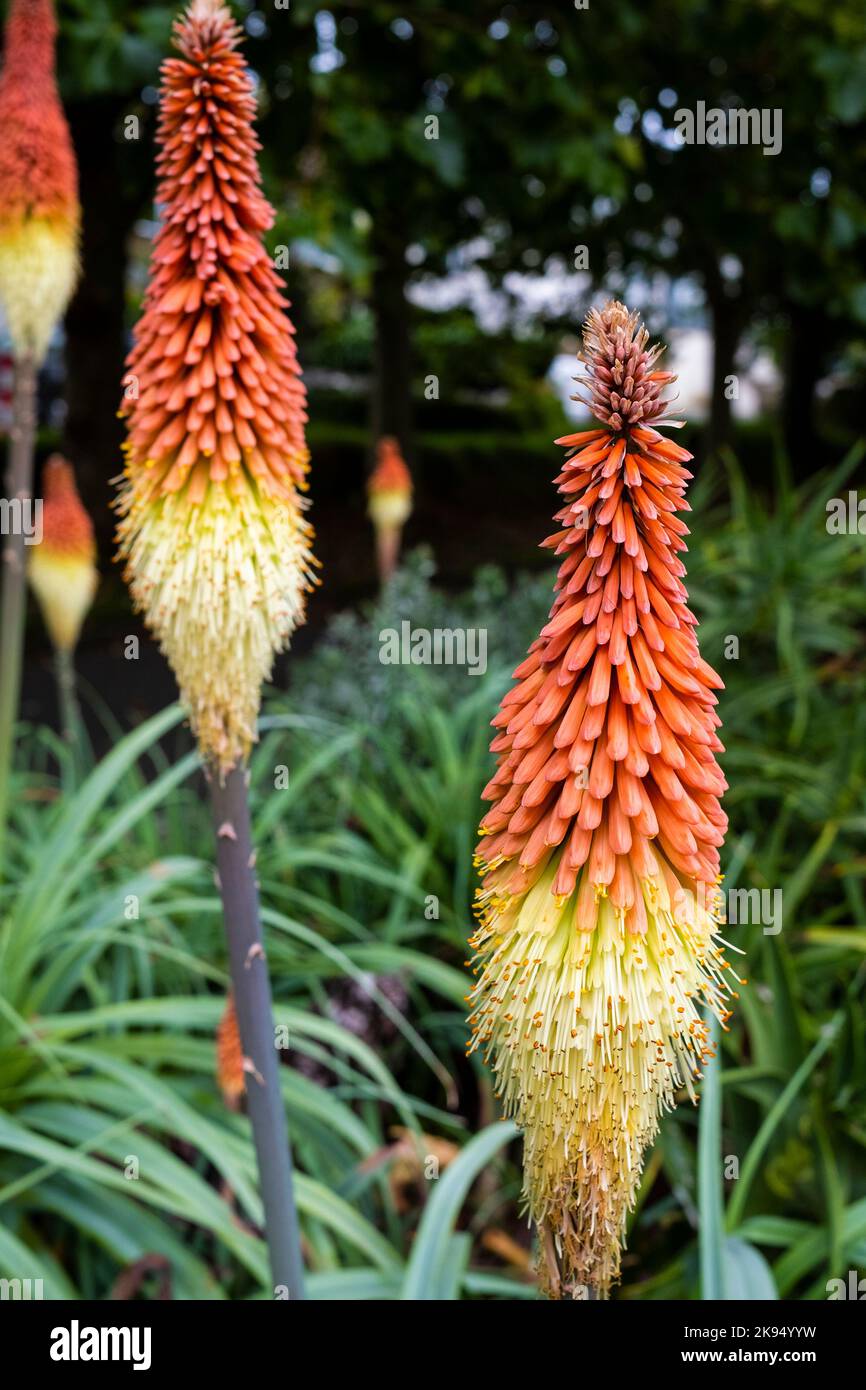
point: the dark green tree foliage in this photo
(394, 135)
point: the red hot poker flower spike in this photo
(62, 566)
(39, 212)
(389, 493)
(597, 941)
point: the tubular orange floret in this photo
(39, 212)
(62, 566)
(230, 1056)
(212, 529)
(599, 854)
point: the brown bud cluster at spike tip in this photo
(623, 388)
(597, 942)
(213, 532)
(62, 566)
(39, 212)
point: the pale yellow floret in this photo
(222, 583)
(65, 586)
(590, 1034)
(38, 271)
(389, 510)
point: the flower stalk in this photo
(254, 1009)
(19, 487)
(71, 723)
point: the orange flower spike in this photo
(62, 565)
(39, 211)
(389, 492)
(600, 853)
(212, 524)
